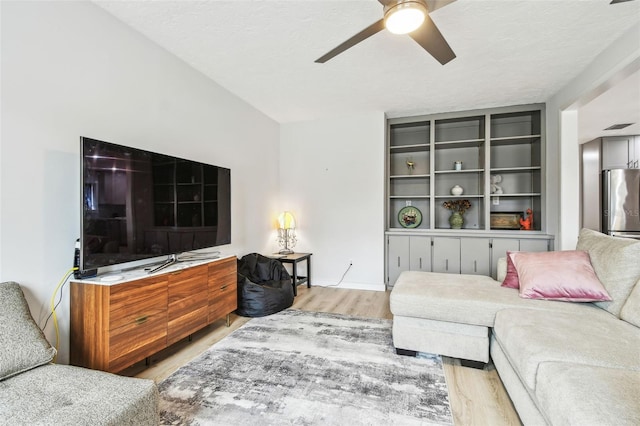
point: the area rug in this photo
(307, 368)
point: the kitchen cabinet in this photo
(621, 152)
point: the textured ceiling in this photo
(508, 52)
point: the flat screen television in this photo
(138, 204)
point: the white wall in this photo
(619, 59)
(332, 178)
(71, 69)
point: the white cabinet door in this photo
(420, 253)
(534, 245)
(634, 152)
(446, 255)
(474, 256)
(397, 256)
(618, 153)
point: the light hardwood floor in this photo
(477, 397)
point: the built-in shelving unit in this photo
(427, 156)
(421, 165)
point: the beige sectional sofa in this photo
(34, 391)
(562, 363)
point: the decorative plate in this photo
(409, 217)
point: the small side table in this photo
(294, 259)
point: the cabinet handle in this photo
(141, 320)
(224, 287)
(629, 164)
(420, 263)
(475, 266)
(446, 265)
(398, 261)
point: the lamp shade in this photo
(286, 220)
(405, 16)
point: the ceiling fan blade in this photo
(437, 4)
(362, 35)
(429, 37)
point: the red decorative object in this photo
(527, 224)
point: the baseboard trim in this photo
(354, 286)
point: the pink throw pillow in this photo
(511, 279)
(558, 275)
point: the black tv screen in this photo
(138, 204)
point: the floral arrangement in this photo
(459, 206)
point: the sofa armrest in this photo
(502, 269)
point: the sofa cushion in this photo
(587, 395)
(560, 275)
(460, 298)
(615, 261)
(511, 279)
(66, 395)
(531, 337)
(631, 309)
(22, 343)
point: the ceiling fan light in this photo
(405, 16)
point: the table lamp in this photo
(286, 232)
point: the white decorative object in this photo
(457, 190)
(457, 165)
(495, 188)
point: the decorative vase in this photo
(456, 220)
(457, 190)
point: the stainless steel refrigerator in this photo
(621, 202)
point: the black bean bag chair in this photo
(264, 286)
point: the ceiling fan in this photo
(420, 27)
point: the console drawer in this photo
(137, 340)
(223, 288)
(132, 302)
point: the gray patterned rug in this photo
(307, 368)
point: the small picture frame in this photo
(505, 220)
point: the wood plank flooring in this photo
(477, 397)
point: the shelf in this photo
(409, 148)
(408, 197)
(527, 194)
(515, 169)
(468, 143)
(510, 140)
(459, 196)
(409, 176)
(459, 171)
